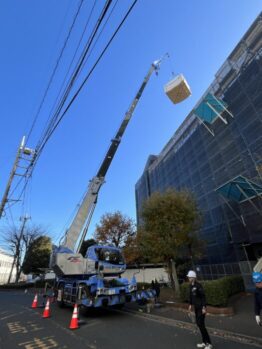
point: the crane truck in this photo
(95, 280)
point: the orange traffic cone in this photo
(74, 320)
(34, 304)
(46, 312)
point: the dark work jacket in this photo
(197, 295)
(258, 301)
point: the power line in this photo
(11, 215)
(54, 122)
(40, 149)
(99, 35)
(72, 60)
(75, 74)
(55, 68)
(43, 100)
(72, 215)
(30, 168)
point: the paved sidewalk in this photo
(242, 322)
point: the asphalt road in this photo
(24, 328)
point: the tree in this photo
(85, 245)
(132, 252)
(114, 228)
(38, 255)
(170, 221)
(18, 239)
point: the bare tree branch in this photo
(18, 240)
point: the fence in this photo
(216, 271)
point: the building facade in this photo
(221, 163)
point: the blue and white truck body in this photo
(95, 281)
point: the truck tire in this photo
(60, 294)
(85, 294)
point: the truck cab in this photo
(109, 260)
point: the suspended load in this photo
(177, 89)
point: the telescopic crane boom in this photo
(86, 209)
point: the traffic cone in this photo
(34, 304)
(74, 320)
(46, 312)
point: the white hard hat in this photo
(191, 274)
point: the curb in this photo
(233, 336)
(225, 311)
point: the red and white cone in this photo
(34, 304)
(46, 312)
(74, 321)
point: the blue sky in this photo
(198, 35)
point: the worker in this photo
(157, 289)
(257, 279)
(198, 300)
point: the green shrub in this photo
(184, 292)
(217, 291)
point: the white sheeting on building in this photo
(6, 261)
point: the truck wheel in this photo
(60, 294)
(85, 295)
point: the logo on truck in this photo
(74, 259)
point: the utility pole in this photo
(17, 256)
(22, 150)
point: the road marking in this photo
(56, 324)
(16, 327)
(41, 343)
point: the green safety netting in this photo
(240, 189)
(210, 108)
